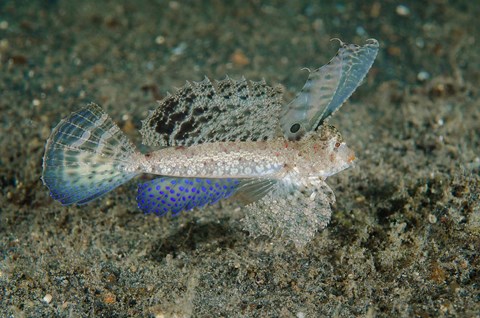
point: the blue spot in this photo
(181, 193)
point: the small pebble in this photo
(160, 40)
(109, 298)
(47, 298)
(402, 10)
(239, 58)
(423, 76)
(36, 102)
(3, 25)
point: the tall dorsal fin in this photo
(327, 88)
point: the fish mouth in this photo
(347, 154)
(351, 158)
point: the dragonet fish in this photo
(216, 140)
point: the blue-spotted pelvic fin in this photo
(172, 195)
(327, 88)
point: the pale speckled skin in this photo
(317, 155)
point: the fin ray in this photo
(252, 190)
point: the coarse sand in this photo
(404, 239)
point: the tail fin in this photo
(86, 156)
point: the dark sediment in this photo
(405, 233)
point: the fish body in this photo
(317, 156)
(216, 140)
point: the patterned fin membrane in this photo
(294, 208)
(226, 110)
(172, 195)
(327, 88)
(85, 157)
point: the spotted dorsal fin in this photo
(202, 112)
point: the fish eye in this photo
(337, 144)
(295, 128)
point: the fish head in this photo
(328, 152)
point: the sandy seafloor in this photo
(404, 238)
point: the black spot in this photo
(202, 119)
(177, 117)
(185, 129)
(163, 128)
(295, 128)
(189, 100)
(186, 92)
(198, 111)
(169, 105)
